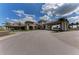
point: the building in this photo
(61, 24)
(42, 24)
(27, 25)
(74, 26)
(30, 25)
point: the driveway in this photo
(41, 42)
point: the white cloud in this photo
(7, 18)
(19, 12)
(50, 8)
(60, 9)
(74, 19)
(67, 9)
(23, 20)
(27, 17)
(22, 13)
(77, 11)
(45, 17)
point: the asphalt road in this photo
(41, 42)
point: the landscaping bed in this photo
(4, 33)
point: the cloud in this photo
(77, 11)
(27, 17)
(45, 17)
(74, 19)
(7, 18)
(55, 10)
(50, 8)
(22, 20)
(19, 12)
(67, 9)
(60, 9)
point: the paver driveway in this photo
(40, 42)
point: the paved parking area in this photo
(71, 38)
(41, 42)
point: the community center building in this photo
(60, 24)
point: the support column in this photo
(27, 27)
(33, 27)
(62, 26)
(65, 26)
(46, 27)
(50, 27)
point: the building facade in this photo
(61, 24)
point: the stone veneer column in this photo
(62, 26)
(46, 27)
(27, 27)
(65, 26)
(33, 27)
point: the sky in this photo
(37, 11)
(6, 10)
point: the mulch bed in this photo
(4, 33)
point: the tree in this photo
(7, 23)
(77, 24)
(19, 23)
(72, 24)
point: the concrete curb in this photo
(8, 36)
